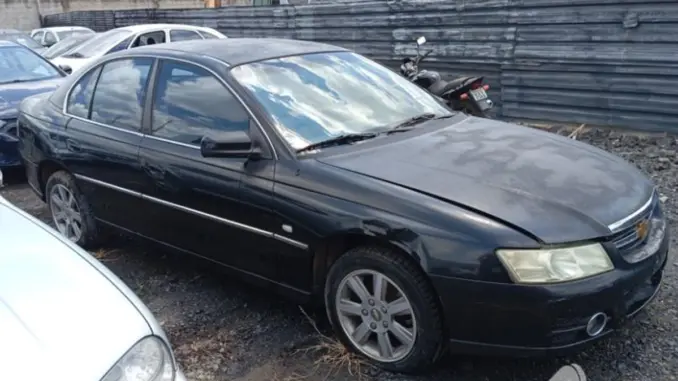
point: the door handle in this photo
(73, 146)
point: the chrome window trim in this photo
(198, 213)
(618, 224)
(224, 83)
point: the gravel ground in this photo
(225, 330)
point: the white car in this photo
(50, 36)
(130, 37)
(65, 317)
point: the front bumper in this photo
(524, 320)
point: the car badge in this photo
(643, 229)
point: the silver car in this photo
(65, 316)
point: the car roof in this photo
(63, 28)
(143, 27)
(237, 51)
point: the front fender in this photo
(322, 204)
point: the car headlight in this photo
(147, 360)
(555, 265)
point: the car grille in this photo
(627, 240)
(8, 126)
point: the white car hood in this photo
(73, 63)
(61, 318)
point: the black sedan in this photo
(22, 73)
(313, 169)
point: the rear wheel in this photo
(382, 307)
(70, 211)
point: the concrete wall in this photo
(23, 14)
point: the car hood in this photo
(554, 188)
(60, 317)
(11, 94)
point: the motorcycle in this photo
(465, 94)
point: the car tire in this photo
(424, 330)
(60, 186)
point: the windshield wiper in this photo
(341, 139)
(416, 120)
(17, 81)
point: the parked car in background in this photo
(131, 37)
(21, 38)
(22, 73)
(50, 36)
(315, 170)
(63, 46)
(65, 316)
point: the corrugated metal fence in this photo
(610, 62)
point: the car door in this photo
(199, 203)
(183, 35)
(103, 136)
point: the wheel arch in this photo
(45, 169)
(330, 249)
(404, 242)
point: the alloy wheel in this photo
(66, 212)
(376, 315)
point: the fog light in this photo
(596, 324)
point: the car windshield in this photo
(22, 39)
(75, 32)
(315, 97)
(18, 64)
(65, 45)
(99, 44)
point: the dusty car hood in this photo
(11, 94)
(555, 188)
(60, 318)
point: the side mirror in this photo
(421, 41)
(231, 144)
(67, 69)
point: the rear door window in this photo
(184, 35)
(119, 95)
(208, 35)
(81, 95)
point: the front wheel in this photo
(382, 307)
